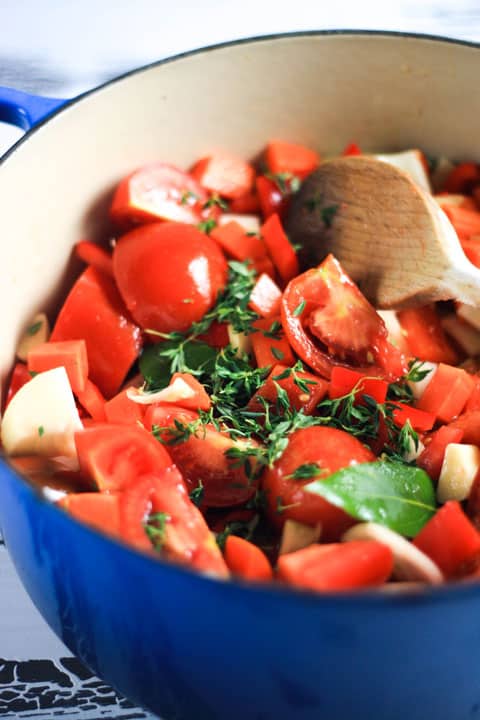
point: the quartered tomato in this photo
(158, 192)
(169, 274)
(330, 449)
(202, 456)
(329, 322)
(158, 501)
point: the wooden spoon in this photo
(389, 235)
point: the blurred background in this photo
(61, 48)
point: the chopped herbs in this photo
(196, 495)
(328, 213)
(278, 354)
(275, 331)
(207, 226)
(242, 528)
(305, 471)
(188, 198)
(41, 430)
(286, 182)
(299, 309)
(34, 328)
(216, 201)
(155, 528)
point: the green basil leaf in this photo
(158, 362)
(396, 495)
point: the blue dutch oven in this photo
(185, 646)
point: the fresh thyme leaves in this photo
(188, 198)
(305, 472)
(184, 352)
(155, 527)
(275, 331)
(207, 226)
(277, 353)
(286, 182)
(326, 213)
(216, 201)
(299, 309)
(196, 495)
(34, 328)
(401, 390)
(280, 508)
(41, 430)
(242, 528)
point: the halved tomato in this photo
(203, 456)
(158, 502)
(330, 449)
(329, 322)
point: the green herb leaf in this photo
(34, 328)
(217, 201)
(207, 226)
(277, 353)
(158, 362)
(396, 495)
(196, 495)
(305, 471)
(41, 430)
(299, 309)
(328, 213)
(155, 528)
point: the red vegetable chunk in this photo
(94, 312)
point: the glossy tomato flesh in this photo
(332, 450)
(169, 274)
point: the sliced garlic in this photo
(250, 223)
(395, 333)
(37, 332)
(296, 535)
(410, 563)
(241, 342)
(460, 467)
(42, 417)
(177, 390)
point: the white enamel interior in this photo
(385, 92)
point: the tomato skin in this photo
(157, 192)
(187, 537)
(333, 311)
(332, 449)
(113, 456)
(169, 274)
(203, 457)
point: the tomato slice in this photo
(203, 456)
(329, 322)
(158, 192)
(331, 449)
(113, 456)
(183, 535)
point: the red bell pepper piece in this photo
(235, 242)
(447, 392)
(121, 410)
(282, 253)
(246, 560)
(305, 397)
(466, 222)
(20, 375)
(337, 566)
(248, 204)
(343, 381)
(450, 540)
(70, 354)
(431, 458)
(271, 198)
(97, 509)
(419, 419)
(351, 149)
(287, 157)
(94, 311)
(92, 401)
(268, 350)
(93, 254)
(471, 248)
(425, 336)
(462, 178)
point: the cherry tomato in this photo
(331, 449)
(203, 456)
(324, 314)
(157, 192)
(183, 534)
(169, 274)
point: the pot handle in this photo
(24, 109)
